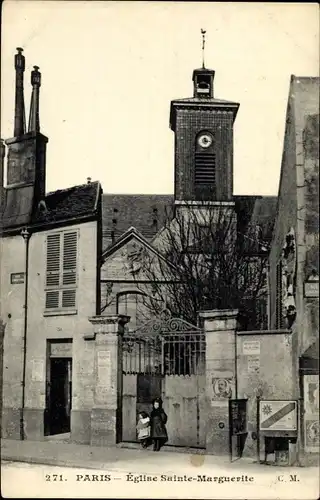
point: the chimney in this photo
(34, 120)
(19, 112)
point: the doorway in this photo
(60, 395)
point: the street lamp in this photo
(26, 237)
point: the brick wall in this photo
(189, 123)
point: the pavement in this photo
(60, 453)
(56, 469)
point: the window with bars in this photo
(61, 270)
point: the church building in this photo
(203, 178)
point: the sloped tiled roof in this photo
(122, 211)
(69, 203)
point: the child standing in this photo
(143, 429)
(158, 425)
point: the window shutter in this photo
(70, 242)
(52, 299)
(68, 298)
(53, 260)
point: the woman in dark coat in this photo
(158, 418)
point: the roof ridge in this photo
(72, 187)
(139, 194)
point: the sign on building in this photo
(16, 278)
(251, 347)
(278, 415)
(311, 289)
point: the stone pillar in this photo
(106, 412)
(220, 330)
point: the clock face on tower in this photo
(205, 140)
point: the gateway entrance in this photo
(165, 358)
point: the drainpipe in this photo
(26, 236)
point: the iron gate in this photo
(165, 358)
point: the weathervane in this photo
(203, 33)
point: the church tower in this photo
(26, 160)
(203, 128)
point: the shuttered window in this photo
(61, 270)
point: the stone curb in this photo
(79, 465)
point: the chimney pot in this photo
(88, 180)
(36, 76)
(19, 60)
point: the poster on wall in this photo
(254, 364)
(222, 388)
(251, 347)
(312, 442)
(311, 412)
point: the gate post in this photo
(106, 412)
(220, 331)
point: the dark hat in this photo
(158, 400)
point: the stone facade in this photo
(43, 326)
(294, 254)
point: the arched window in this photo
(132, 303)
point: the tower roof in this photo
(201, 102)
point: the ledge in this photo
(109, 319)
(219, 314)
(264, 332)
(60, 312)
(205, 203)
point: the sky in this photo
(110, 69)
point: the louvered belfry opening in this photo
(61, 272)
(205, 173)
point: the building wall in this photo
(42, 327)
(286, 209)
(298, 206)
(189, 123)
(263, 375)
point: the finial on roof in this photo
(203, 33)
